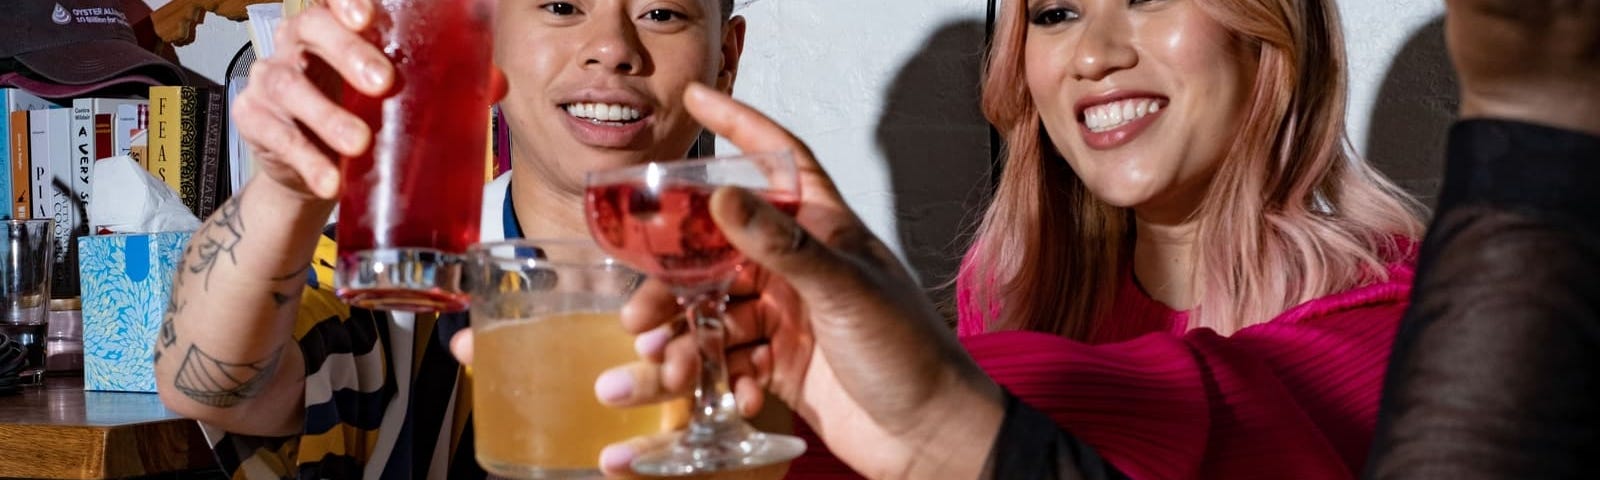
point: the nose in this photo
(1104, 47)
(615, 46)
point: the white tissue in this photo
(128, 199)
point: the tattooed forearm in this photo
(221, 235)
(169, 332)
(293, 275)
(283, 299)
(220, 384)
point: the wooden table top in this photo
(60, 431)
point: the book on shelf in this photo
(130, 120)
(165, 138)
(21, 165)
(178, 141)
(14, 100)
(211, 185)
(52, 171)
(92, 137)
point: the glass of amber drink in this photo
(545, 320)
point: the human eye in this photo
(560, 9)
(662, 15)
(1052, 15)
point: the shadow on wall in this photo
(936, 144)
(1415, 108)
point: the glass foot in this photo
(750, 449)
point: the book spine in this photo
(104, 147)
(5, 156)
(123, 127)
(163, 138)
(210, 180)
(39, 169)
(21, 205)
(191, 114)
(69, 210)
(83, 147)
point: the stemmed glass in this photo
(656, 218)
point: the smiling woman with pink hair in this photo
(1190, 270)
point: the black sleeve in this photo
(1031, 446)
(1496, 367)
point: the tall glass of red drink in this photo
(410, 206)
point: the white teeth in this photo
(601, 112)
(1110, 116)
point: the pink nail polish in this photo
(652, 342)
(613, 386)
(617, 458)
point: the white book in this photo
(264, 19)
(130, 120)
(91, 120)
(39, 168)
(50, 147)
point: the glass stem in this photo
(716, 413)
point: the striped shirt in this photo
(362, 419)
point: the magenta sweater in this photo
(1296, 397)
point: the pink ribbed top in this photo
(1295, 397)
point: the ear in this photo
(732, 48)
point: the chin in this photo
(1123, 194)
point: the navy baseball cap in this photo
(78, 42)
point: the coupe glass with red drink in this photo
(656, 218)
(409, 207)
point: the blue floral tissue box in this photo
(126, 281)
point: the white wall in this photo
(216, 41)
(1402, 89)
(885, 93)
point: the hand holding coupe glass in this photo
(852, 345)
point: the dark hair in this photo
(727, 9)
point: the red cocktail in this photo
(411, 205)
(667, 231)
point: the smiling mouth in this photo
(1111, 116)
(604, 113)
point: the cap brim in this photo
(97, 61)
(117, 86)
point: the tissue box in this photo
(126, 282)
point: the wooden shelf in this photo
(60, 431)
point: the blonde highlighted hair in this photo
(1290, 216)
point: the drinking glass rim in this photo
(604, 261)
(26, 221)
(601, 177)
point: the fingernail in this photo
(652, 342)
(617, 458)
(328, 183)
(613, 386)
(373, 74)
(349, 137)
(355, 13)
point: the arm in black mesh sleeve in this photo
(1032, 447)
(1496, 367)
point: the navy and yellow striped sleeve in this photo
(348, 386)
